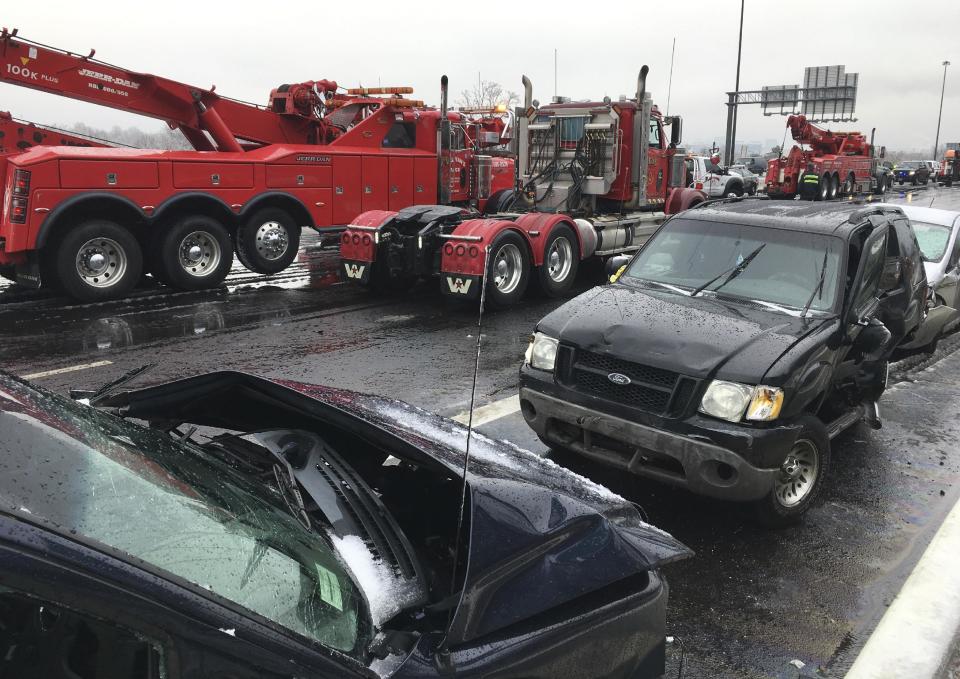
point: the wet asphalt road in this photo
(752, 599)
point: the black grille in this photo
(650, 388)
(635, 371)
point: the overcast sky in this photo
(246, 48)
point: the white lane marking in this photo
(915, 636)
(69, 369)
(491, 411)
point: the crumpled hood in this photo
(696, 336)
(537, 530)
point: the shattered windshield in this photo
(179, 510)
(932, 238)
(687, 254)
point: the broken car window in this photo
(183, 513)
(933, 239)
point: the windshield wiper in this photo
(93, 396)
(819, 288)
(674, 288)
(730, 273)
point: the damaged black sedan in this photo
(229, 525)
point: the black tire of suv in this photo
(558, 288)
(248, 237)
(214, 240)
(497, 299)
(770, 511)
(112, 241)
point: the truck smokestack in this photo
(527, 93)
(642, 84)
(443, 97)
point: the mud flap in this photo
(356, 271)
(27, 273)
(461, 286)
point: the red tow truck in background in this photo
(845, 162)
(594, 179)
(90, 220)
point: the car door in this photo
(949, 285)
(901, 294)
(109, 619)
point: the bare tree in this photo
(487, 94)
(164, 138)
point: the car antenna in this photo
(443, 653)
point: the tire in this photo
(834, 186)
(736, 190)
(195, 252)
(499, 202)
(98, 260)
(790, 499)
(848, 185)
(508, 271)
(8, 272)
(561, 259)
(823, 188)
(268, 240)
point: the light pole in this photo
(733, 135)
(936, 144)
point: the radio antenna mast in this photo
(466, 457)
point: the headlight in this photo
(765, 404)
(913, 172)
(730, 401)
(542, 352)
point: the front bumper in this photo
(721, 460)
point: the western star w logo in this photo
(354, 270)
(459, 285)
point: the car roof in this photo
(838, 219)
(931, 215)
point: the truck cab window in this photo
(43, 640)
(654, 135)
(401, 135)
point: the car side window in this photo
(872, 262)
(955, 255)
(41, 639)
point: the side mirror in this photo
(676, 131)
(883, 151)
(614, 264)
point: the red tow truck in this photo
(594, 179)
(845, 162)
(90, 220)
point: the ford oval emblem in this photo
(619, 378)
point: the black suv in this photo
(734, 346)
(912, 172)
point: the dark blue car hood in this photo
(540, 535)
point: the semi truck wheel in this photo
(561, 258)
(195, 252)
(98, 260)
(849, 185)
(508, 271)
(268, 240)
(800, 478)
(823, 188)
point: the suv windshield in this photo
(933, 239)
(688, 253)
(908, 165)
(179, 510)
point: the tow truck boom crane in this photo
(296, 113)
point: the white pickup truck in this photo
(704, 174)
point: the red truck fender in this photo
(683, 199)
(463, 251)
(358, 243)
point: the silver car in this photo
(936, 232)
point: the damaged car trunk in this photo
(551, 575)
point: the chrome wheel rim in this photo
(199, 254)
(101, 262)
(272, 240)
(507, 268)
(798, 474)
(559, 260)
